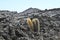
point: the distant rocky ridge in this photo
(13, 24)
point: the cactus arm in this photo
(36, 24)
(30, 24)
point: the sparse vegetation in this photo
(33, 24)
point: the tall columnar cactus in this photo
(33, 24)
(36, 25)
(30, 24)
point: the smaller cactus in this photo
(36, 25)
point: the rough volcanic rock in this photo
(13, 25)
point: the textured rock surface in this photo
(13, 25)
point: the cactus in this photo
(30, 24)
(33, 24)
(36, 25)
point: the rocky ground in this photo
(13, 25)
